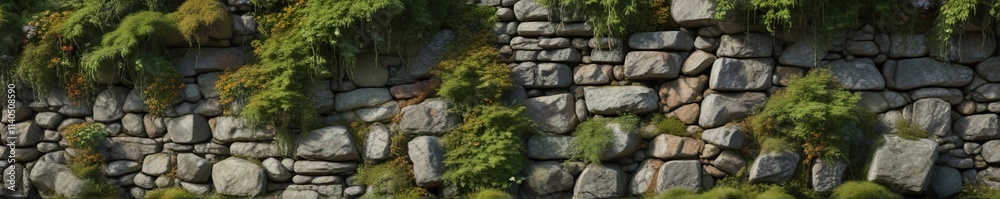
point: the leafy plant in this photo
(815, 111)
(394, 177)
(862, 189)
(87, 163)
(907, 130)
(978, 190)
(470, 73)
(45, 58)
(487, 148)
(593, 137)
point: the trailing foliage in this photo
(816, 112)
(594, 136)
(45, 58)
(133, 49)
(615, 18)
(862, 189)
(470, 73)
(487, 148)
(812, 15)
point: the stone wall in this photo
(708, 74)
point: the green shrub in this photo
(908, 130)
(862, 189)
(669, 125)
(486, 149)
(813, 111)
(593, 137)
(490, 194)
(43, 61)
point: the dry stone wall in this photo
(708, 74)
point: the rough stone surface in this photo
(978, 127)
(932, 114)
(664, 40)
(679, 173)
(121, 167)
(157, 164)
(697, 62)
(827, 175)
(729, 161)
(774, 166)
(51, 178)
(189, 129)
(233, 129)
(109, 104)
(989, 69)
(592, 74)
(550, 147)
(383, 112)
(238, 177)
(623, 143)
(859, 74)
(332, 143)
(720, 108)
(645, 179)
(903, 166)
(361, 98)
(682, 91)
(597, 181)
(427, 156)
(804, 53)
(132, 148)
(987, 93)
(925, 72)
(543, 75)
(666, 147)
(433, 116)
(275, 170)
(652, 65)
(309, 167)
(945, 181)
(693, 13)
(620, 99)
(192, 168)
(741, 74)
(530, 11)
(553, 114)
(746, 46)
(905, 45)
(377, 143)
(991, 151)
(547, 177)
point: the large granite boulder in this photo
(924, 72)
(361, 98)
(110, 104)
(684, 174)
(858, 74)
(978, 127)
(663, 40)
(720, 108)
(775, 166)
(597, 181)
(433, 116)
(189, 129)
(652, 65)
(746, 46)
(547, 177)
(332, 143)
(427, 156)
(238, 177)
(730, 74)
(693, 13)
(550, 147)
(902, 165)
(612, 100)
(553, 114)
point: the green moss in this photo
(907, 130)
(670, 125)
(593, 137)
(775, 193)
(487, 149)
(172, 192)
(770, 144)
(979, 191)
(196, 17)
(676, 192)
(862, 189)
(490, 194)
(386, 179)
